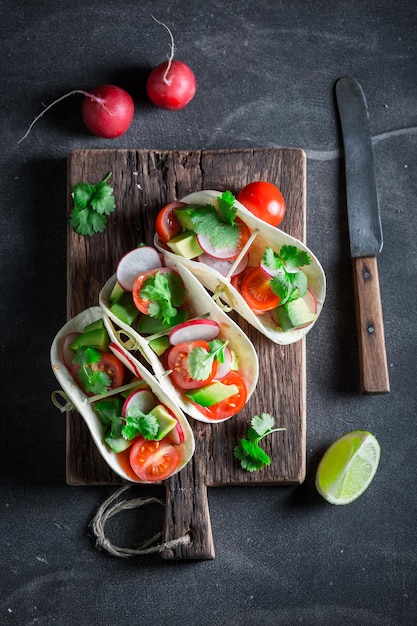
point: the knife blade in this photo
(365, 234)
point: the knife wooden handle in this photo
(370, 325)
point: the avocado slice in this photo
(184, 215)
(118, 444)
(96, 338)
(125, 309)
(165, 421)
(150, 325)
(94, 325)
(294, 314)
(212, 393)
(159, 344)
(185, 244)
(116, 292)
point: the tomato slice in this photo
(153, 461)
(178, 364)
(230, 406)
(166, 223)
(264, 200)
(255, 289)
(142, 304)
(110, 364)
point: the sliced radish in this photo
(136, 262)
(176, 435)
(218, 253)
(224, 368)
(194, 330)
(125, 359)
(223, 266)
(67, 354)
(310, 300)
(270, 271)
(141, 399)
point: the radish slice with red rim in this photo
(223, 266)
(194, 330)
(141, 399)
(216, 252)
(136, 262)
(176, 435)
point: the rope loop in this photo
(110, 507)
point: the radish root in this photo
(71, 93)
(172, 53)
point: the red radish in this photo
(194, 330)
(176, 435)
(224, 368)
(125, 359)
(311, 301)
(67, 354)
(107, 111)
(223, 266)
(141, 399)
(171, 85)
(135, 262)
(216, 252)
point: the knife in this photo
(365, 234)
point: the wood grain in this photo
(370, 325)
(143, 182)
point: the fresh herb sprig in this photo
(251, 456)
(165, 292)
(92, 203)
(92, 379)
(200, 361)
(288, 281)
(217, 224)
(135, 423)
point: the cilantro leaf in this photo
(109, 412)
(248, 451)
(200, 361)
(226, 206)
(91, 204)
(288, 281)
(139, 423)
(165, 292)
(92, 379)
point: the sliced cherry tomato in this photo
(166, 223)
(110, 364)
(153, 460)
(264, 200)
(256, 290)
(178, 364)
(142, 304)
(229, 406)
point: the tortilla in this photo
(219, 285)
(200, 304)
(79, 399)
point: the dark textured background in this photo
(266, 73)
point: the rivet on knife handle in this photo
(365, 233)
(370, 325)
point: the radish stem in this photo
(171, 56)
(71, 93)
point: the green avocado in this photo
(212, 393)
(165, 421)
(96, 338)
(116, 292)
(118, 444)
(294, 314)
(160, 344)
(150, 325)
(184, 215)
(185, 244)
(124, 308)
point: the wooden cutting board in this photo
(143, 181)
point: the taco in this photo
(161, 313)
(267, 276)
(137, 428)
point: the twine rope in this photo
(110, 507)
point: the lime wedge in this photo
(348, 467)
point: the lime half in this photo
(348, 467)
